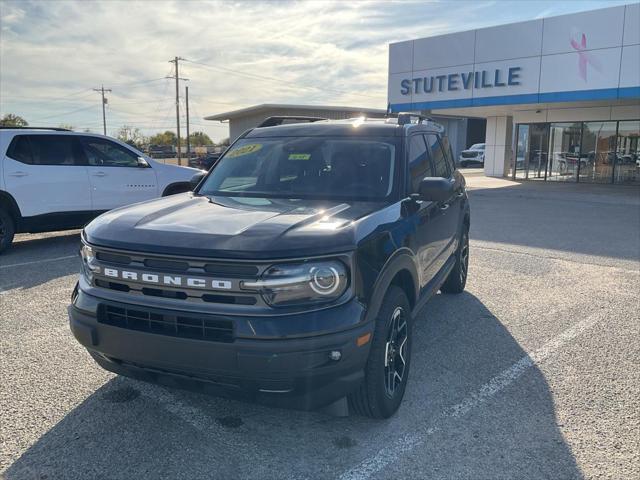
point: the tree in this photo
(199, 139)
(132, 136)
(224, 142)
(11, 120)
(166, 138)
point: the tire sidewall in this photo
(387, 406)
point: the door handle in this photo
(99, 174)
(18, 174)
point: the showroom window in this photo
(586, 152)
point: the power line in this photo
(278, 80)
(63, 113)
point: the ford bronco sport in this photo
(290, 274)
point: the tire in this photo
(457, 279)
(7, 230)
(387, 368)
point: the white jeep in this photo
(55, 179)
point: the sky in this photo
(236, 54)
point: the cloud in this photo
(52, 53)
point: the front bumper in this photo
(295, 372)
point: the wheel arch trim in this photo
(401, 260)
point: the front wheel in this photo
(457, 279)
(387, 368)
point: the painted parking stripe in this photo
(33, 262)
(408, 442)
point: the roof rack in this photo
(57, 129)
(405, 118)
(273, 121)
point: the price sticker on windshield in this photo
(244, 150)
(299, 156)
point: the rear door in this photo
(450, 208)
(116, 176)
(45, 174)
(427, 216)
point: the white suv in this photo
(54, 179)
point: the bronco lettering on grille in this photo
(169, 280)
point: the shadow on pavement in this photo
(599, 220)
(34, 260)
(128, 429)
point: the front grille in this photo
(183, 326)
(470, 154)
(228, 273)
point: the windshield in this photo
(306, 167)
(477, 146)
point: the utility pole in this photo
(177, 77)
(186, 100)
(104, 102)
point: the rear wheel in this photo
(457, 279)
(7, 230)
(387, 368)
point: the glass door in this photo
(627, 166)
(564, 151)
(522, 149)
(538, 151)
(598, 152)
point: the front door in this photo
(45, 175)
(117, 178)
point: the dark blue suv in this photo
(291, 274)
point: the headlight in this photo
(295, 284)
(88, 262)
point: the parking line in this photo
(408, 442)
(38, 261)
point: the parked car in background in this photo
(55, 179)
(161, 151)
(204, 162)
(474, 155)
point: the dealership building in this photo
(560, 95)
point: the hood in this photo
(231, 227)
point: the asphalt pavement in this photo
(532, 373)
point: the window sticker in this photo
(299, 156)
(244, 150)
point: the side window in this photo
(419, 164)
(52, 150)
(446, 146)
(20, 149)
(438, 157)
(103, 153)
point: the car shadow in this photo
(33, 260)
(597, 220)
(129, 429)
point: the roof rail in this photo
(57, 129)
(405, 118)
(279, 120)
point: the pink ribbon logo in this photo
(584, 57)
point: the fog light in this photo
(335, 355)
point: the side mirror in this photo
(436, 189)
(195, 180)
(142, 163)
